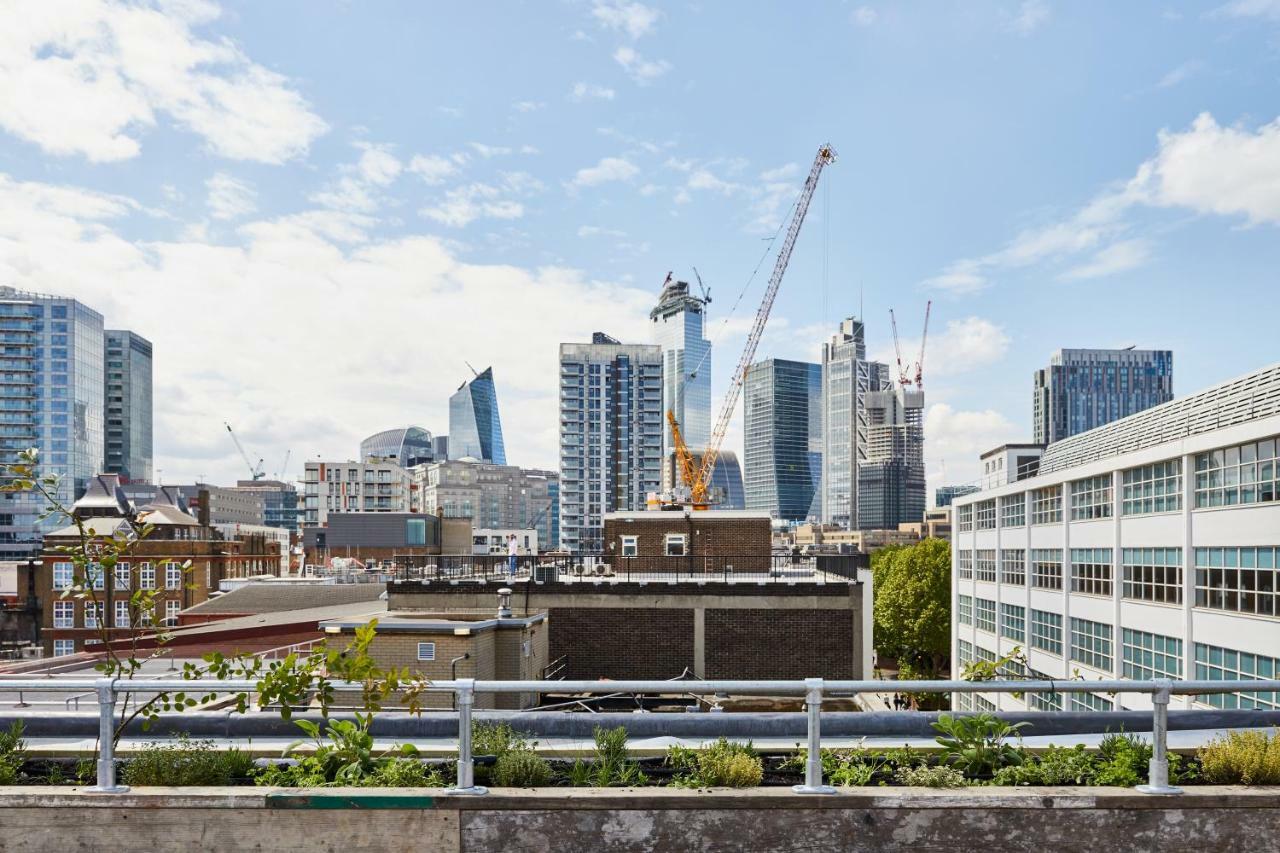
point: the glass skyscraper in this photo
(129, 450)
(782, 414)
(474, 426)
(891, 481)
(1085, 388)
(847, 378)
(678, 326)
(611, 427)
(51, 362)
(408, 446)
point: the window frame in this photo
(629, 545)
(672, 539)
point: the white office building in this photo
(1145, 548)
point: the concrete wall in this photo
(990, 819)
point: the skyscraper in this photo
(678, 327)
(474, 426)
(847, 377)
(51, 351)
(891, 484)
(782, 419)
(611, 426)
(406, 446)
(128, 400)
(1086, 388)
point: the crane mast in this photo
(700, 483)
(903, 378)
(923, 335)
(254, 472)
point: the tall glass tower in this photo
(1086, 388)
(678, 328)
(51, 359)
(847, 378)
(782, 413)
(474, 426)
(129, 450)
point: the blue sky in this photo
(318, 211)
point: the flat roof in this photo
(434, 622)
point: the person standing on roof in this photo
(512, 551)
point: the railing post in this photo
(1158, 774)
(813, 766)
(466, 697)
(106, 739)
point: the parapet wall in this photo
(907, 819)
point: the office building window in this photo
(675, 545)
(984, 617)
(62, 648)
(985, 515)
(985, 564)
(1091, 571)
(415, 531)
(964, 610)
(173, 576)
(629, 546)
(964, 564)
(1046, 505)
(1147, 656)
(121, 576)
(93, 614)
(1046, 631)
(146, 576)
(172, 608)
(1013, 510)
(64, 614)
(1090, 702)
(1013, 622)
(1091, 643)
(1152, 488)
(63, 575)
(1243, 474)
(1241, 580)
(965, 651)
(1046, 568)
(96, 576)
(1153, 574)
(1215, 663)
(1044, 701)
(964, 518)
(981, 703)
(1091, 498)
(1013, 566)
(122, 614)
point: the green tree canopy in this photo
(912, 588)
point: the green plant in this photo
(521, 768)
(185, 762)
(496, 739)
(13, 753)
(610, 765)
(857, 771)
(344, 755)
(978, 744)
(1124, 759)
(1242, 758)
(724, 764)
(912, 607)
(929, 777)
(405, 773)
(1056, 766)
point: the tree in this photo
(912, 587)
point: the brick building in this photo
(154, 563)
(690, 539)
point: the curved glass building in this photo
(408, 446)
(474, 426)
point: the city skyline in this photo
(1051, 167)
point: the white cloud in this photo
(91, 77)
(230, 198)
(66, 240)
(358, 187)
(953, 441)
(528, 106)
(631, 19)
(465, 204)
(590, 91)
(378, 165)
(1118, 257)
(487, 151)
(864, 16)
(1207, 169)
(1251, 9)
(432, 168)
(963, 345)
(607, 170)
(1031, 15)
(597, 231)
(1183, 72)
(637, 67)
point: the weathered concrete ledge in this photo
(621, 819)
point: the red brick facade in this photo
(713, 539)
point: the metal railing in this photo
(772, 568)
(812, 689)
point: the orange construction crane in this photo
(698, 479)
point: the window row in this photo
(1240, 580)
(1152, 488)
(1244, 474)
(1091, 498)
(64, 576)
(125, 616)
(1215, 663)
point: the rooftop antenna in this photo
(473, 370)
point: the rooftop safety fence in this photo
(813, 690)
(673, 568)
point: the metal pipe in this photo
(106, 739)
(813, 762)
(466, 764)
(1158, 772)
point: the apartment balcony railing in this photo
(813, 690)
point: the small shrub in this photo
(521, 768)
(1057, 766)
(496, 739)
(978, 744)
(856, 773)
(13, 753)
(185, 762)
(1242, 758)
(610, 765)
(724, 764)
(1124, 760)
(405, 773)
(929, 777)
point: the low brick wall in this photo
(906, 819)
